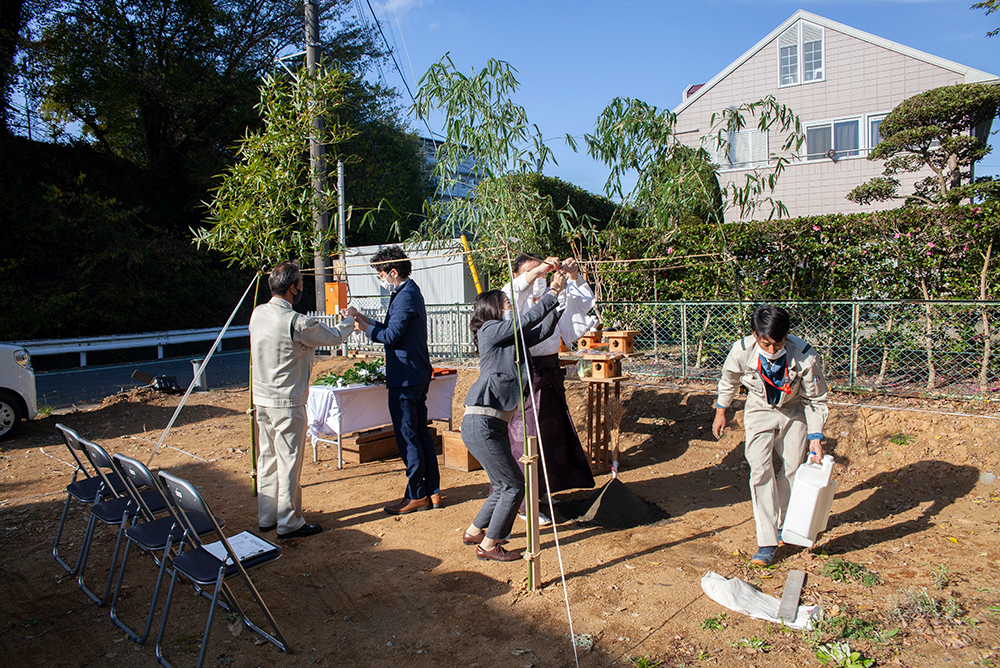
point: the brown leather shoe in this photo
(436, 501)
(496, 554)
(473, 539)
(407, 506)
(476, 539)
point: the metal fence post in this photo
(456, 344)
(684, 341)
(855, 318)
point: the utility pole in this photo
(317, 159)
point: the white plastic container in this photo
(810, 502)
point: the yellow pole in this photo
(472, 266)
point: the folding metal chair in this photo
(116, 511)
(88, 489)
(201, 567)
(153, 535)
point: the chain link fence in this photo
(934, 348)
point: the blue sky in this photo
(573, 57)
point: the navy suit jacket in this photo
(404, 334)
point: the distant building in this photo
(467, 177)
(841, 82)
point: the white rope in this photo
(541, 454)
(914, 410)
(62, 461)
(201, 369)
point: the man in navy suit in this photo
(408, 374)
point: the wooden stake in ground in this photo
(531, 494)
(615, 412)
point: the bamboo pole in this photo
(534, 540)
(252, 412)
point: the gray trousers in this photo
(279, 464)
(486, 438)
(775, 447)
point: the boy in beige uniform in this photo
(785, 408)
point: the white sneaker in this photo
(543, 519)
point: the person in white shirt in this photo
(565, 461)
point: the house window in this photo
(747, 150)
(800, 54)
(842, 136)
(874, 127)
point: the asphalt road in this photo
(90, 385)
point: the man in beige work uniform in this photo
(785, 408)
(282, 346)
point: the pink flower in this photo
(931, 245)
(929, 253)
(670, 250)
(977, 210)
(896, 235)
(966, 247)
(815, 228)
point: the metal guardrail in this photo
(83, 345)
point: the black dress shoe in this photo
(302, 531)
(270, 527)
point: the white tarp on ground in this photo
(739, 596)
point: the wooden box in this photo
(620, 342)
(606, 368)
(589, 341)
(455, 454)
(376, 444)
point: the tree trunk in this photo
(885, 352)
(984, 371)
(928, 337)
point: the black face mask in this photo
(298, 297)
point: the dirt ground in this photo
(915, 505)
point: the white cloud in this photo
(401, 6)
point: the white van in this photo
(17, 388)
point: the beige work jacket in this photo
(805, 373)
(282, 347)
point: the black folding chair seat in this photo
(153, 535)
(202, 567)
(89, 489)
(86, 490)
(198, 565)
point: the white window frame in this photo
(869, 144)
(800, 55)
(862, 148)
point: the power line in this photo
(392, 55)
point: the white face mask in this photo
(770, 356)
(386, 283)
(508, 315)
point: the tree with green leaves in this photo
(943, 130)
(262, 213)
(171, 84)
(483, 125)
(990, 6)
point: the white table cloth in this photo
(338, 411)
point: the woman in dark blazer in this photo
(491, 403)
